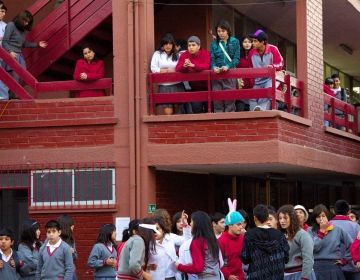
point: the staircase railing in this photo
(40, 87)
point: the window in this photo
(68, 187)
(16, 179)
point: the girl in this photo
(67, 227)
(176, 227)
(246, 46)
(225, 54)
(89, 68)
(164, 60)
(302, 216)
(329, 242)
(28, 250)
(103, 254)
(204, 249)
(14, 41)
(135, 253)
(301, 261)
(273, 220)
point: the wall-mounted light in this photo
(346, 48)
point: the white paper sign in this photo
(121, 223)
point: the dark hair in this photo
(28, 234)
(168, 38)
(201, 228)
(90, 47)
(52, 224)
(164, 214)
(261, 213)
(127, 233)
(175, 218)
(182, 43)
(318, 209)
(356, 213)
(335, 76)
(105, 234)
(19, 21)
(2, 6)
(223, 24)
(161, 223)
(246, 217)
(148, 236)
(7, 232)
(341, 207)
(66, 222)
(294, 226)
(243, 52)
(216, 217)
(329, 81)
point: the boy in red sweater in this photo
(231, 243)
(195, 59)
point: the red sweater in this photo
(201, 61)
(94, 71)
(355, 251)
(245, 63)
(231, 247)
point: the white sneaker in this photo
(257, 108)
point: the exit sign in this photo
(151, 208)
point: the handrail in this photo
(341, 115)
(39, 87)
(287, 96)
(38, 6)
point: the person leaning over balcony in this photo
(164, 60)
(87, 69)
(225, 54)
(195, 59)
(14, 41)
(263, 55)
(341, 94)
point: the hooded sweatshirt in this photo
(266, 250)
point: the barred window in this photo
(63, 187)
(16, 179)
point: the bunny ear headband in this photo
(233, 217)
(232, 205)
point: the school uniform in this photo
(99, 254)
(8, 272)
(55, 262)
(30, 259)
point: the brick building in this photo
(101, 158)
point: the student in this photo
(87, 69)
(176, 227)
(4, 90)
(29, 248)
(225, 55)
(164, 60)
(301, 260)
(263, 55)
(329, 244)
(14, 41)
(55, 259)
(195, 59)
(272, 220)
(218, 223)
(9, 261)
(341, 220)
(340, 92)
(204, 249)
(265, 249)
(231, 243)
(103, 254)
(67, 225)
(246, 46)
(135, 254)
(302, 216)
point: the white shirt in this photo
(6, 258)
(161, 60)
(53, 247)
(2, 30)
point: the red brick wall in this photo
(85, 233)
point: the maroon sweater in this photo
(94, 71)
(231, 247)
(201, 61)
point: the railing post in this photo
(151, 97)
(287, 82)
(333, 111)
(68, 23)
(273, 87)
(209, 90)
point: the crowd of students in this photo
(266, 244)
(226, 52)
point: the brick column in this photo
(310, 65)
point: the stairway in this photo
(65, 28)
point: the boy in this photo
(263, 55)
(55, 258)
(218, 223)
(265, 249)
(9, 263)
